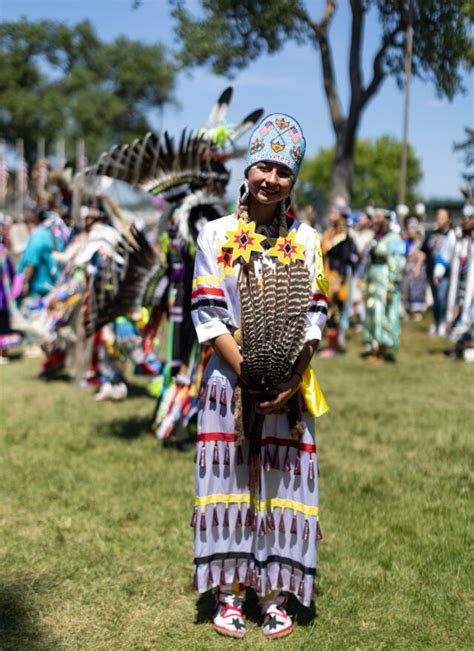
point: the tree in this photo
(59, 81)
(230, 34)
(376, 173)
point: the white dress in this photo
(269, 544)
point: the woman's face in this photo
(335, 218)
(269, 182)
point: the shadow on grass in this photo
(55, 377)
(206, 605)
(138, 391)
(126, 429)
(19, 621)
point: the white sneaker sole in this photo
(286, 631)
(225, 631)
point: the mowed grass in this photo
(96, 548)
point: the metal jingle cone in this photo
(319, 534)
(238, 522)
(301, 588)
(227, 455)
(213, 395)
(226, 517)
(270, 522)
(261, 530)
(258, 584)
(222, 580)
(194, 518)
(215, 454)
(292, 580)
(254, 521)
(294, 524)
(215, 517)
(202, 392)
(202, 525)
(223, 397)
(297, 465)
(248, 575)
(311, 468)
(248, 518)
(287, 463)
(280, 580)
(236, 578)
(281, 525)
(267, 463)
(306, 530)
(202, 457)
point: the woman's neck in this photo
(260, 214)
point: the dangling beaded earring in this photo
(244, 191)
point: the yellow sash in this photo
(312, 394)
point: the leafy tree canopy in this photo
(60, 81)
(376, 173)
(230, 34)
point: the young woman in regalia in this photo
(259, 299)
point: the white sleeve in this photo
(318, 309)
(209, 309)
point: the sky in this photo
(290, 82)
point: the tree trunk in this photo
(343, 168)
(341, 178)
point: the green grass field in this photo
(96, 548)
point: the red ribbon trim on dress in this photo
(268, 440)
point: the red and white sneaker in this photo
(229, 619)
(276, 621)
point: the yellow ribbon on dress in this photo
(312, 394)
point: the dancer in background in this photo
(362, 233)
(414, 280)
(442, 238)
(260, 302)
(9, 339)
(340, 261)
(381, 335)
(460, 309)
(39, 269)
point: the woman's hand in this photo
(286, 391)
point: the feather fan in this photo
(273, 319)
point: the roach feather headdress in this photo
(159, 166)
